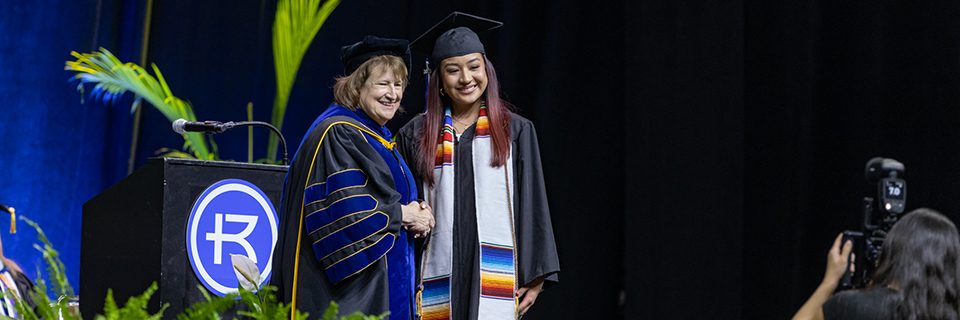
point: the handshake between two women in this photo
(418, 218)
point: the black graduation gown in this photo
(25, 288)
(340, 147)
(536, 248)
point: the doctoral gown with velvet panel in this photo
(340, 235)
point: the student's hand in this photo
(417, 218)
(528, 295)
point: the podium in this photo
(135, 232)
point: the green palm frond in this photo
(296, 24)
(113, 78)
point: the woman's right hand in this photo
(837, 261)
(836, 266)
(417, 218)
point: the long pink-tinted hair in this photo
(498, 112)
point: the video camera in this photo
(878, 217)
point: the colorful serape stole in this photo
(493, 186)
(438, 256)
(494, 223)
(436, 298)
(445, 145)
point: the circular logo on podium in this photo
(231, 217)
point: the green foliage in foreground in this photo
(135, 308)
(263, 304)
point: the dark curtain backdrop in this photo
(684, 120)
(829, 85)
(700, 156)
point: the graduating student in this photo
(349, 212)
(478, 166)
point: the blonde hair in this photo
(346, 92)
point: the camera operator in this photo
(917, 276)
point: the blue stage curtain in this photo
(56, 152)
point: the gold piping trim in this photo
(341, 171)
(358, 241)
(384, 256)
(341, 218)
(296, 265)
(375, 203)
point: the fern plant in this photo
(57, 274)
(210, 308)
(134, 309)
(114, 78)
(263, 304)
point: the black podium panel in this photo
(134, 233)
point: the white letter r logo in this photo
(218, 237)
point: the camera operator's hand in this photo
(837, 262)
(836, 265)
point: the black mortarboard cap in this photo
(356, 54)
(455, 36)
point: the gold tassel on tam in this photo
(13, 220)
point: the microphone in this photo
(182, 126)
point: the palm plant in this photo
(114, 78)
(297, 23)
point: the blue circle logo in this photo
(230, 217)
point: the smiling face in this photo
(464, 79)
(380, 96)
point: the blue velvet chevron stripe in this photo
(345, 232)
(350, 234)
(358, 261)
(339, 209)
(350, 178)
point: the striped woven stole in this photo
(493, 188)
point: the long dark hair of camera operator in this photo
(919, 258)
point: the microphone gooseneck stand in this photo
(283, 142)
(182, 126)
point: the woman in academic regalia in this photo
(478, 166)
(349, 209)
